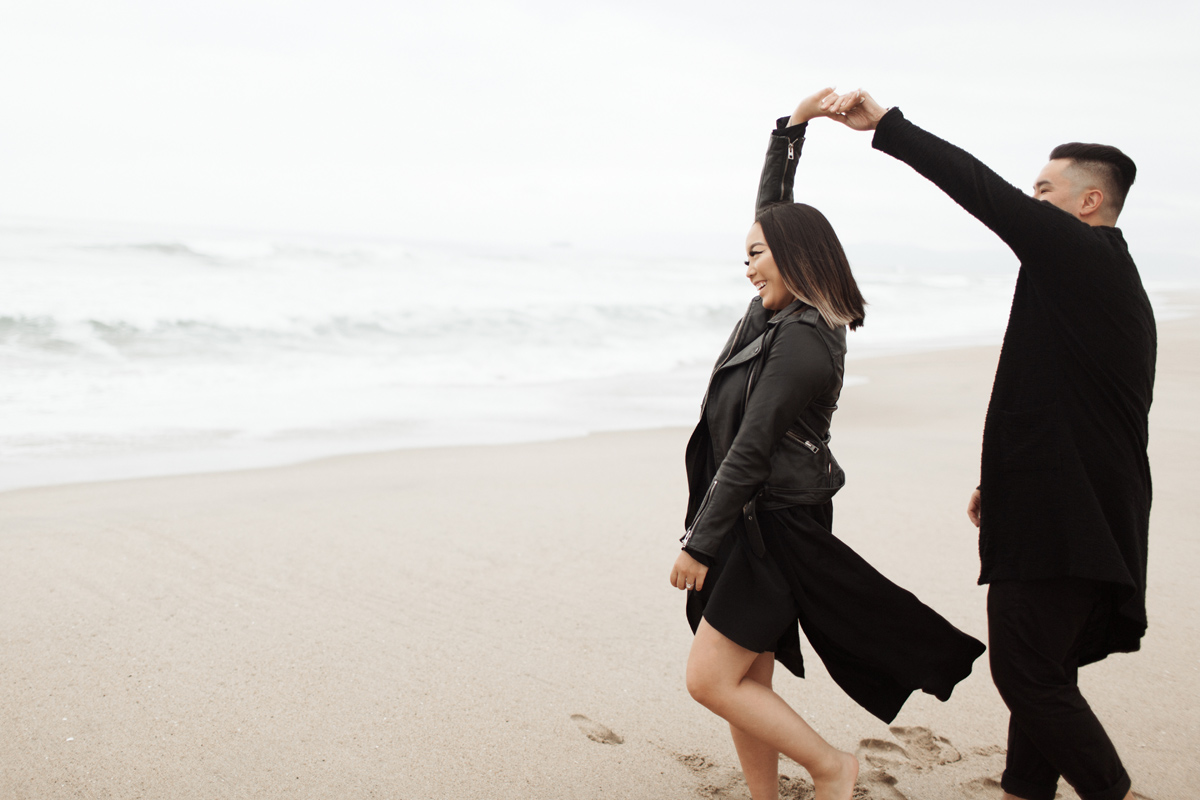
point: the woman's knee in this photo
(703, 682)
(716, 665)
(710, 677)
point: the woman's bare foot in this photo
(838, 783)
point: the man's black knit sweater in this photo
(1065, 480)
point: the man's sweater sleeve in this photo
(1025, 224)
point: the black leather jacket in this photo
(763, 436)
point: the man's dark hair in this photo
(1112, 168)
(812, 262)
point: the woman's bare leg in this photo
(717, 677)
(760, 761)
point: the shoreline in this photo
(685, 384)
(489, 621)
(633, 402)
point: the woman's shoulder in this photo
(801, 338)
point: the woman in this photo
(758, 555)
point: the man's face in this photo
(1055, 187)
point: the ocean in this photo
(135, 350)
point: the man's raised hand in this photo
(856, 110)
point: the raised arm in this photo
(1025, 224)
(783, 151)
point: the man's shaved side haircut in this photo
(1114, 170)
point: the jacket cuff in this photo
(793, 133)
(888, 123)
(703, 558)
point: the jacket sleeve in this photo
(797, 368)
(1030, 227)
(779, 168)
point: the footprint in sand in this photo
(800, 789)
(595, 731)
(876, 757)
(716, 783)
(881, 753)
(983, 789)
(989, 750)
(926, 746)
(794, 788)
(694, 761)
(877, 784)
(988, 789)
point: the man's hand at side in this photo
(975, 507)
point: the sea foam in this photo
(127, 352)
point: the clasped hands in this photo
(856, 110)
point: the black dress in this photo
(787, 570)
(878, 641)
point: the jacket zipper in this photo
(751, 376)
(797, 438)
(699, 513)
(783, 180)
(732, 349)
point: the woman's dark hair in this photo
(812, 262)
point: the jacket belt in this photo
(753, 532)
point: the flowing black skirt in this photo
(878, 641)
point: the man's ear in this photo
(1093, 201)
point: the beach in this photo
(495, 621)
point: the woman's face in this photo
(762, 272)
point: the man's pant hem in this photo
(1028, 791)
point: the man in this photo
(1063, 504)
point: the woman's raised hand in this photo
(810, 106)
(856, 110)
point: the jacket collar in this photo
(757, 316)
(795, 307)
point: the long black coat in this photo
(1065, 479)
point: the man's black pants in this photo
(1036, 632)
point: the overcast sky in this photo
(617, 125)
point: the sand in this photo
(495, 622)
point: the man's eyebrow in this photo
(1043, 182)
